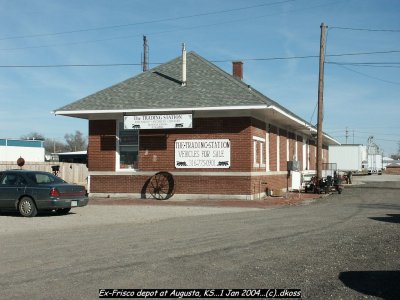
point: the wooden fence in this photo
(70, 172)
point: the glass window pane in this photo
(128, 147)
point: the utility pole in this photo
(145, 54)
(347, 134)
(320, 100)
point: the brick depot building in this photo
(216, 135)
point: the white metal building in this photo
(29, 150)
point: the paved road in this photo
(341, 246)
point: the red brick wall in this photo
(232, 185)
(282, 149)
(269, 182)
(272, 148)
(116, 184)
(157, 148)
(300, 151)
(157, 153)
(325, 150)
(202, 185)
(292, 142)
(258, 130)
(312, 155)
(101, 150)
(392, 170)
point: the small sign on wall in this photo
(158, 121)
(211, 154)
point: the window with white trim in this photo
(255, 156)
(258, 152)
(128, 147)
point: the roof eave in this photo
(146, 110)
(304, 125)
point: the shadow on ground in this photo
(380, 206)
(391, 218)
(384, 284)
(41, 214)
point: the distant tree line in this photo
(72, 142)
(397, 155)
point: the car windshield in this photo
(44, 178)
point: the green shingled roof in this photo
(161, 89)
(207, 86)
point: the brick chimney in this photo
(237, 69)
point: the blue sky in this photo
(363, 98)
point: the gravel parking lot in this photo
(97, 215)
(339, 247)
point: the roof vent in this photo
(237, 69)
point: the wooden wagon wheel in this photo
(161, 186)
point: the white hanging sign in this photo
(212, 153)
(158, 121)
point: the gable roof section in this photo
(160, 87)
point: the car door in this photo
(12, 186)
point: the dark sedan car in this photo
(33, 191)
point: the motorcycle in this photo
(327, 185)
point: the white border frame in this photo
(117, 155)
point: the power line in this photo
(367, 132)
(364, 63)
(367, 127)
(369, 76)
(145, 22)
(365, 29)
(364, 53)
(365, 137)
(72, 65)
(371, 65)
(169, 31)
(213, 61)
(387, 134)
(137, 64)
(266, 59)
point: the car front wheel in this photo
(27, 207)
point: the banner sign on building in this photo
(212, 153)
(158, 121)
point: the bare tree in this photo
(54, 146)
(397, 155)
(75, 142)
(33, 136)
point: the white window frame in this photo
(117, 154)
(255, 163)
(304, 154)
(287, 146)
(258, 142)
(267, 164)
(278, 154)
